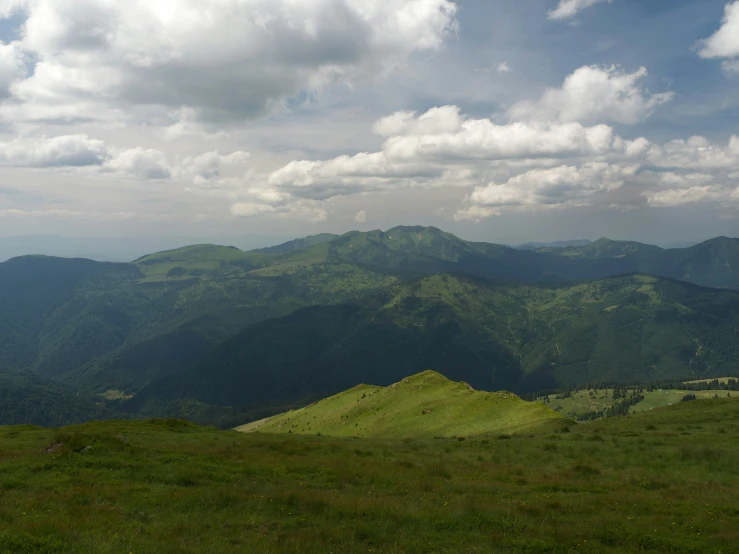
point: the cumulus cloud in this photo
(692, 195)
(9, 7)
(594, 93)
(535, 164)
(63, 151)
(11, 67)
(567, 9)
(229, 60)
(724, 43)
(361, 217)
(80, 151)
(558, 186)
(210, 165)
(695, 153)
(140, 163)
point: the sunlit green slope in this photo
(424, 405)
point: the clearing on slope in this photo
(424, 405)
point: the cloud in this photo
(210, 165)
(9, 7)
(361, 217)
(140, 163)
(11, 67)
(444, 148)
(567, 9)
(303, 210)
(594, 94)
(724, 43)
(62, 151)
(692, 195)
(503, 67)
(513, 166)
(695, 153)
(558, 186)
(228, 61)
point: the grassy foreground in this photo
(425, 405)
(666, 480)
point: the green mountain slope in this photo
(714, 263)
(32, 288)
(514, 337)
(298, 244)
(423, 405)
(179, 320)
(27, 398)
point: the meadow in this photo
(665, 480)
(587, 401)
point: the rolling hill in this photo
(421, 406)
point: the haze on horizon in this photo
(264, 120)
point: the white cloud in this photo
(227, 60)
(724, 43)
(567, 9)
(81, 151)
(594, 94)
(503, 67)
(140, 163)
(11, 67)
(692, 195)
(535, 165)
(558, 186)
(695, 153)
(361, 217)
(9, 7)
(63, 151)
(483, 139)
(209, 165)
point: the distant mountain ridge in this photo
(159, 329)
(297, 244)
(554, 244)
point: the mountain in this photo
(634, 329)
(167, 332)
(714, 263)
(34, 289)
(27, 398)
(425, 405)
(298, 244)
(555, 244)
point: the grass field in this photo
(426, 405)
(666, 480)
(586, 401)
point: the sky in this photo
(499, 120)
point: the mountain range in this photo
(220, 335)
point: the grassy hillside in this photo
(583, 403)
(661, 481)
(423, 405)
